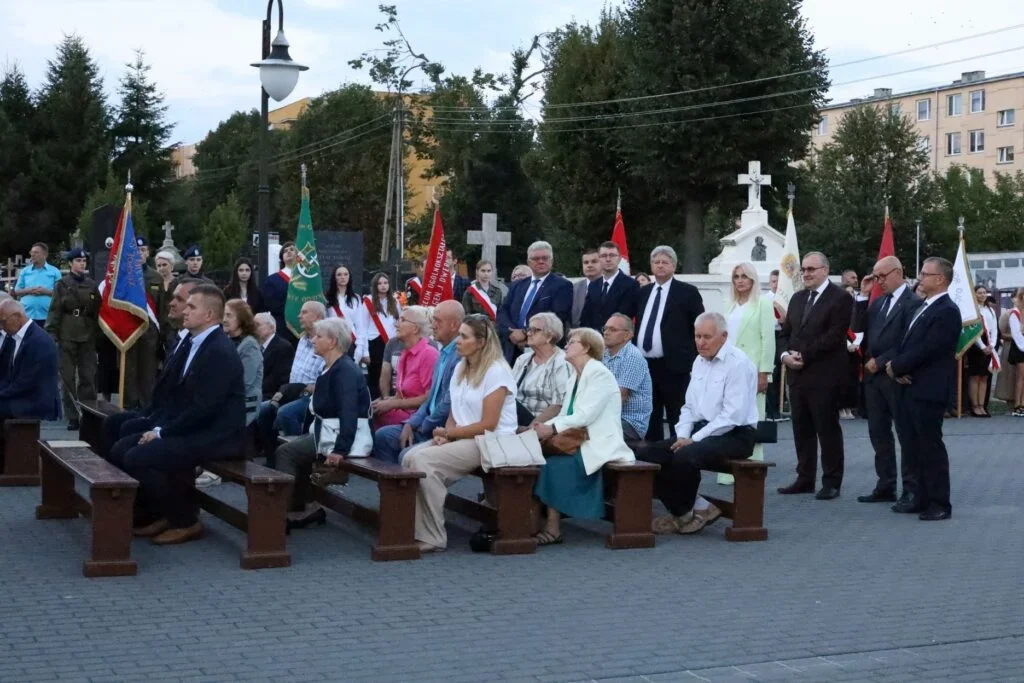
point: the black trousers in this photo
(165, 470)
(120, 425)
(815, 413)
(668, 391)
(921, 437)
(771, 399)
(376, 348)
(882, 396)
(677, 482)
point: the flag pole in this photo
(124, 354)
(960, 360)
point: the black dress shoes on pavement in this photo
(934, 513)
(878, 497)
(796, 487)
(908, 504)
(827, 493)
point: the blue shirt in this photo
(630, 370)
(433, 412)
(37, 306)
(197, 341)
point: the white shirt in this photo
(927, 302)
(734, 319)
(357, 318)
(1015, 329)
(988, 319)
(819, 289)
(657, 350)
(181, 335)
(895, 297)
(387, 321)
(610, 280)
(468, 401)
(19, 337)
(771, 297)
(722, 392)
(197, 341)
(265, 344)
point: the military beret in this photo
(192, 251)
(77, 252)
(141, 241)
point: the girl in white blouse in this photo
(381, 310)
(343, 302)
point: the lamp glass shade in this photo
(279, 79)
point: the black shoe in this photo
(827, 493)
(319, 518)
(934, 513)
(908, 504)
(73, 425)
(796, 487)
(878, 497)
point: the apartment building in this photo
(975, 121)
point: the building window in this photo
(924, 110)
(954, 105)
(823, 126)
(1007, 117)
(1011, 262)
(977, 101)
(924, 143)
(1006, 155)
(977, 141)
(952, 144)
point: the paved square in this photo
(841, 591)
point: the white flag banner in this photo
(790, 281)
(961, 292)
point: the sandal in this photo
(548, 538)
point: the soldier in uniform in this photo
(194, 264)
(73, 323)
(142, 357)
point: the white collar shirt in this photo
(611, 280)
(265, 344)
(197, 341)
(722, 392)
(19, 337)
(927, 302)
(657, 348)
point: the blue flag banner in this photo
(123, 311)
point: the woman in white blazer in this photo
(573, 485)
(751, 320)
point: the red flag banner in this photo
(887, 248)
(437, 279)
(619, 237)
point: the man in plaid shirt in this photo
(627, 363)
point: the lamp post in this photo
(917, 260)
(278, 76)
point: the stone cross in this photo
(754, 180)
(168, 229)
(489, 237)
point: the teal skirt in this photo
(564, 485)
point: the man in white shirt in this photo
(717, 424)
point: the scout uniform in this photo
(194, 252)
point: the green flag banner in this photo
(305, 284)
(961, 292)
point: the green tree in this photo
(141, 133)
(874, 160)
(17, 118)
(72, 144)
(111, 194)
(225, 234)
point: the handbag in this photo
(362, 444)
(509, 450)
(566, 442)
(766, 432)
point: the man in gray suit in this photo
(591, 270)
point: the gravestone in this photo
(168, 246)
(104, 225)
(340, 247)
(489, 237)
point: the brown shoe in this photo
(175, 536)
(670, 524)
(427, 548)
(701, 518)
(150, 530)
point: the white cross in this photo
(489, 237)
(755, 180)
(168, 229)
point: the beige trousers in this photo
(443, 465)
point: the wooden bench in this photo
(21, 453)
(109, 505)
(267, 492)
(746, 510)
(395, 516)
(629, 490)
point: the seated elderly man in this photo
(29, 387)
(717, 424)
(390, 443)
(278, 355)
(629, 367)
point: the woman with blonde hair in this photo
(483, 399)
(751, 321)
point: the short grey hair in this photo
(540, 245)
(166, 255)
(267, 319)
(721, 326)
(318, 306)
(551, 324)
(627, 321)
(421, 316)
(945, 267)
(821, 257)
(337, 329)
(665, 250)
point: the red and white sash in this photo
(376, 319)
(285, 275)
(416, 285)
(481, 298)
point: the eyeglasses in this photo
(609, 328)
(923, 274)
(811, 269)
(534, 330)
(882, 276)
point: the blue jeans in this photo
(272, 420)
(386, 444)
(290, 417)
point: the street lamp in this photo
(278, 76)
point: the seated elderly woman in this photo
(572, 485)
(414, 370)
(483, 399)
(541, 372)
(340, 394)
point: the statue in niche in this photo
(759, 252)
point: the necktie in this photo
(885, 306)
(524, 312)
(810, 304)
(649, 330)
(604, 291)
(7, 351)
(181, 355)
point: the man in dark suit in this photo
(884, 324)
(613, 292)
(199, 415)
(667, 309)
(925, 367)
(543, 292)
(277, 355)
(817, 361)
(29, 388)
(591, 271)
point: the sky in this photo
(200, 50)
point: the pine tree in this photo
(17, 116)
(141, 133)
(71, 156)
